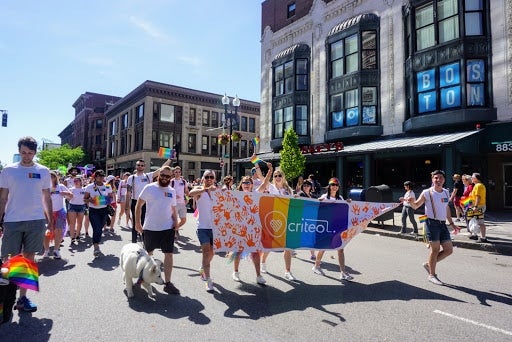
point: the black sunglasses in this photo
(209, 177)
(278, 175)
(246, 183)
(165, 176)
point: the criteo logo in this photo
(275, 223)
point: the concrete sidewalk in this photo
(499, 232)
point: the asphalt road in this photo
(82, 298)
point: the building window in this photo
(473, 18)
(113, 128)
(243, 148)
(213, 146)
(204, 144)
(191, 165)
(192, 117)
(243, 123)
(112, 148)
(206, 118)
(369, 50)
(252, 125)
(251, 149)
(284, 78)
(98, 139)
(345, 56)
(139, 140)
(123, 145)
(192, 143)
(97, 154)
(301, 120)
(99, 123)
(215, 119)
(291, 10)
(165, 139)
(439, 18)
(167, 113)
(124, 121)
(236, 149)
(139, 114)
(301, 74)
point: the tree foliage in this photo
(62, 156)
(293, 162)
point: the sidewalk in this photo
(499, 232)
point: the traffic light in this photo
(4, 119)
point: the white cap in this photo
(109, 178)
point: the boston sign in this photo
(318, 148)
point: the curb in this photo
(498, 248)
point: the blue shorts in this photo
(437, 231)
(205, 236)
(76, 208)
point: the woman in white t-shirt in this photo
(121, 200)
(407, 210)
(58, 192)
(278, 186)
(332, 195)
(76, 210)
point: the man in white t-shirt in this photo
(161, 221)
(26, 202)
(179, 184)
(134, 185)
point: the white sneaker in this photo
(289, 276)
(56, 254)
(209, 285)
(260, 280)
(317, 270)
(236, 276)
(435, 280)
(263, 267)
(346, 276)
(46, 254)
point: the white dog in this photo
(137, 263)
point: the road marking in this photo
(490, 327)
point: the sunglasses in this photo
(307, 185)
(334, 184)
(278, 175)
(246, 183)
(209, 177)
(165, 176)
(140, 165)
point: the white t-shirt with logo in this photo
(99, 194)
(57, 197)
(25, 185)
(139, 182)
(179, 185)
(78, 196)
(159, 203)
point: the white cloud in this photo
(149, 29)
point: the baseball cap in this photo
(109, 178)
(334, 181)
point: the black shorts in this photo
(163, 240)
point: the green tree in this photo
(62, 156)
(293, 162)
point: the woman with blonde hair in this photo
(278, 186)
(121, 200)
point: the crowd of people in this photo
(154, 205)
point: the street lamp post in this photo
(233, 118)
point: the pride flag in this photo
(467, 201)
(23, 272)
(255, 141)
(166, 152)
(255, 160)
(423, 218)
(100, 200)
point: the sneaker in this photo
(171, 289)
(260, 280)
(473, 237)
(317, 270)
(24, 304)
(435, 280)
(483, 240)
(236, 276)
(426, 267)
(46, 254)
(346, 276)
(202, 274)
(312, 257)
(289, 276)
(97, 253)
(263, 267)
(56, 254)
(209, 285)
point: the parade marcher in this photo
(59, 192)
(134, 185)
(121, 200)
(436, 200)
(180, 185)
(305, 190)
(26, 202)
(257, 176)
(407, 210)
(246, 185)
(161, 221)
(204, 205)
(73, 173)
(98, 196)
(332, 195)
(458, 191)
(111, 220)
(478, 194)
(76, 210)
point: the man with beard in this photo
(161, 221)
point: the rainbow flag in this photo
(255, 160)
(23, 272)
(255, 141)
(166, 152)
(100, 200)
(467, 202)
(423, 218)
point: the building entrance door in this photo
(507, 186)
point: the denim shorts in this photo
(437, 231)
(76, 208)
(205, 236)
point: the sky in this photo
(53, 51)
